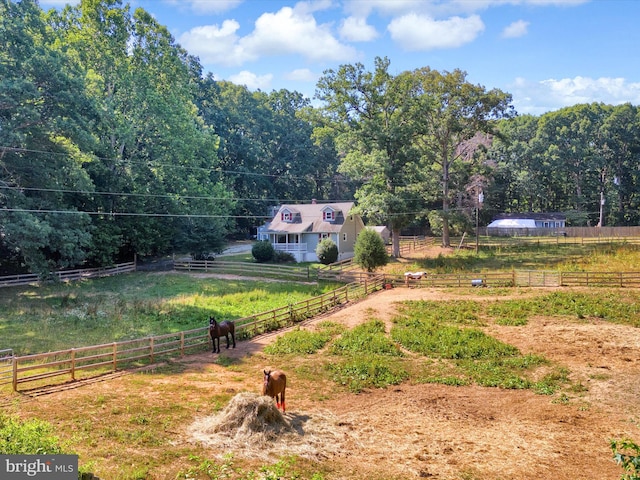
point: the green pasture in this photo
(52, 317)
(565, 257)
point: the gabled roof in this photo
(308, 218)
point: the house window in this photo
(344, 237)
(322, 236)
(286, 216)
(328, 215)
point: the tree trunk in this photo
(446, 241)
(395, 240)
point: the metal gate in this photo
(6, 366)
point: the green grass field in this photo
(53, 317)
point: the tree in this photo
(372, 113)
(454, 116)
(369, 250)
(327, 251)
(157, 156)
(45, 116)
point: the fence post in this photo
(182, 344)
(115, 356)
(15, 374)
(73, 364)
(151, 344)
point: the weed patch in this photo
(368, 338)
(367, 371)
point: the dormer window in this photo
(286, 216)
(328, 215)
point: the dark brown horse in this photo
(222, 329)
(274, 385)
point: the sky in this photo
(547, 54)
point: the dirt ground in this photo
(445, 432)
(442, 432)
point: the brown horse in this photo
(274, 386)
(222, 329)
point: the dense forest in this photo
(114, 142)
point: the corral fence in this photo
(519, 278)
(91, 361)
(6, 365)
(67, 275)
(284, 272)
(412, 244)
(569, 235)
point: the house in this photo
(524, 223)
(299, 228)
(384, 232)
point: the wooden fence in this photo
(412, 244)
(520, 278)
(67, 275)
(285, 272)
(96, 360)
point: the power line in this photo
(130, 214)
(157, 195)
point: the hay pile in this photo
(250, 416)
(252, 426)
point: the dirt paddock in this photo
(429, 430)
(471, 432)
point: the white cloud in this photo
(356, 29)
(420, 32)
(288, 31)
(295, 31)
(516, 29)
(251, 80)
(301, 75)
(216, 44)
(547, 95)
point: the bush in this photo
(327, 251)
(283, 257)
(262, 251)
(370, 252)
(29, 437)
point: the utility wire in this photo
(130, 214)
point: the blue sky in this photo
(546, 53)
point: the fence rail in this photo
(247, 269)
(67, 275)
(521, 278)
(99, 359)
(6, 365)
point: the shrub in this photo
(370, 252)
(262, 251)
(327, 251)
(283, 257)
(29, 437)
